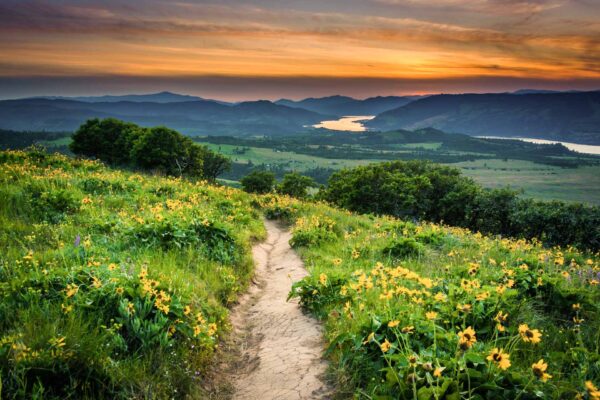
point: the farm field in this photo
(288, 159)
(546, 182)
(540, 181)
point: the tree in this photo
(214, 164)
(258, 182)
(166, 150)
(295, 185)
(109, 139)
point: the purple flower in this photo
(77, 240)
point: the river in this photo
(348, 123)
(580, 148)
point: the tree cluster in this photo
(159, 149)
(426, 191)
(292, 184)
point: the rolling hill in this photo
(343, 105)
(564, 116)
(193, 118)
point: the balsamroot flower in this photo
(501, 359)
(530, 335)
(539, 369)
(466, 338)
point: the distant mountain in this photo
(201, 117)
(342, 105)
(162, 97)
(567, 116)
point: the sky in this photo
(269, 49)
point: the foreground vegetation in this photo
(426, 311)
(425, 191)
(114, 284)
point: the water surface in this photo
(348, 123)
(580, 148)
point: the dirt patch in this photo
(280, 346)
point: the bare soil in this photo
(280, 347)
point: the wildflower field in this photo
(422, 311)
(114, 284)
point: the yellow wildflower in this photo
(393, 324)
(385, 346)
(467, 338)
(539, 370)
(500, 358)
(530, 335)
(431, 315)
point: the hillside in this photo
(343, 105)
(193, 118)
(116, 284)
(568, 116)
(161, 97)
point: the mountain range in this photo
(566, 116)
(343, 106)
(200, 117)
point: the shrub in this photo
(259, 182)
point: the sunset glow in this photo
(272, 47)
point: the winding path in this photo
(281, 347)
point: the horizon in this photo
(266, 49)
(274, 99)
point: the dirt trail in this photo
(281, 347)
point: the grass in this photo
(422, 311)
(540, 181)
(114, 284)
(293, 161)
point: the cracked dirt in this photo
(281, 347)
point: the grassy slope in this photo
(112, 284)
(370, 278)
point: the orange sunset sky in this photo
(237, 50)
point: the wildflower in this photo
(86, 200)
(438, 372)
(212, 329)
(369, 338)
(408, 329)
(539, 370)
(393, 324)
(440, 297)
(187, 310)
(466, 338)
(565, 274)
(355, 254)
(466, 308)
(97, 283)
(119, 290)
(336, 261)
(500, 358)
(412, 360)
(323, 279)
(431, 315)
(385, 346)
(530, 335)
(112, 266)
(57, 342)
(130, 308)
(576, 306)
(71, 290)
(593, 391)
(197, 330)
(66, 309)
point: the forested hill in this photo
(571, 117)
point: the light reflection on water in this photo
(580, 148)
(349, 123)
